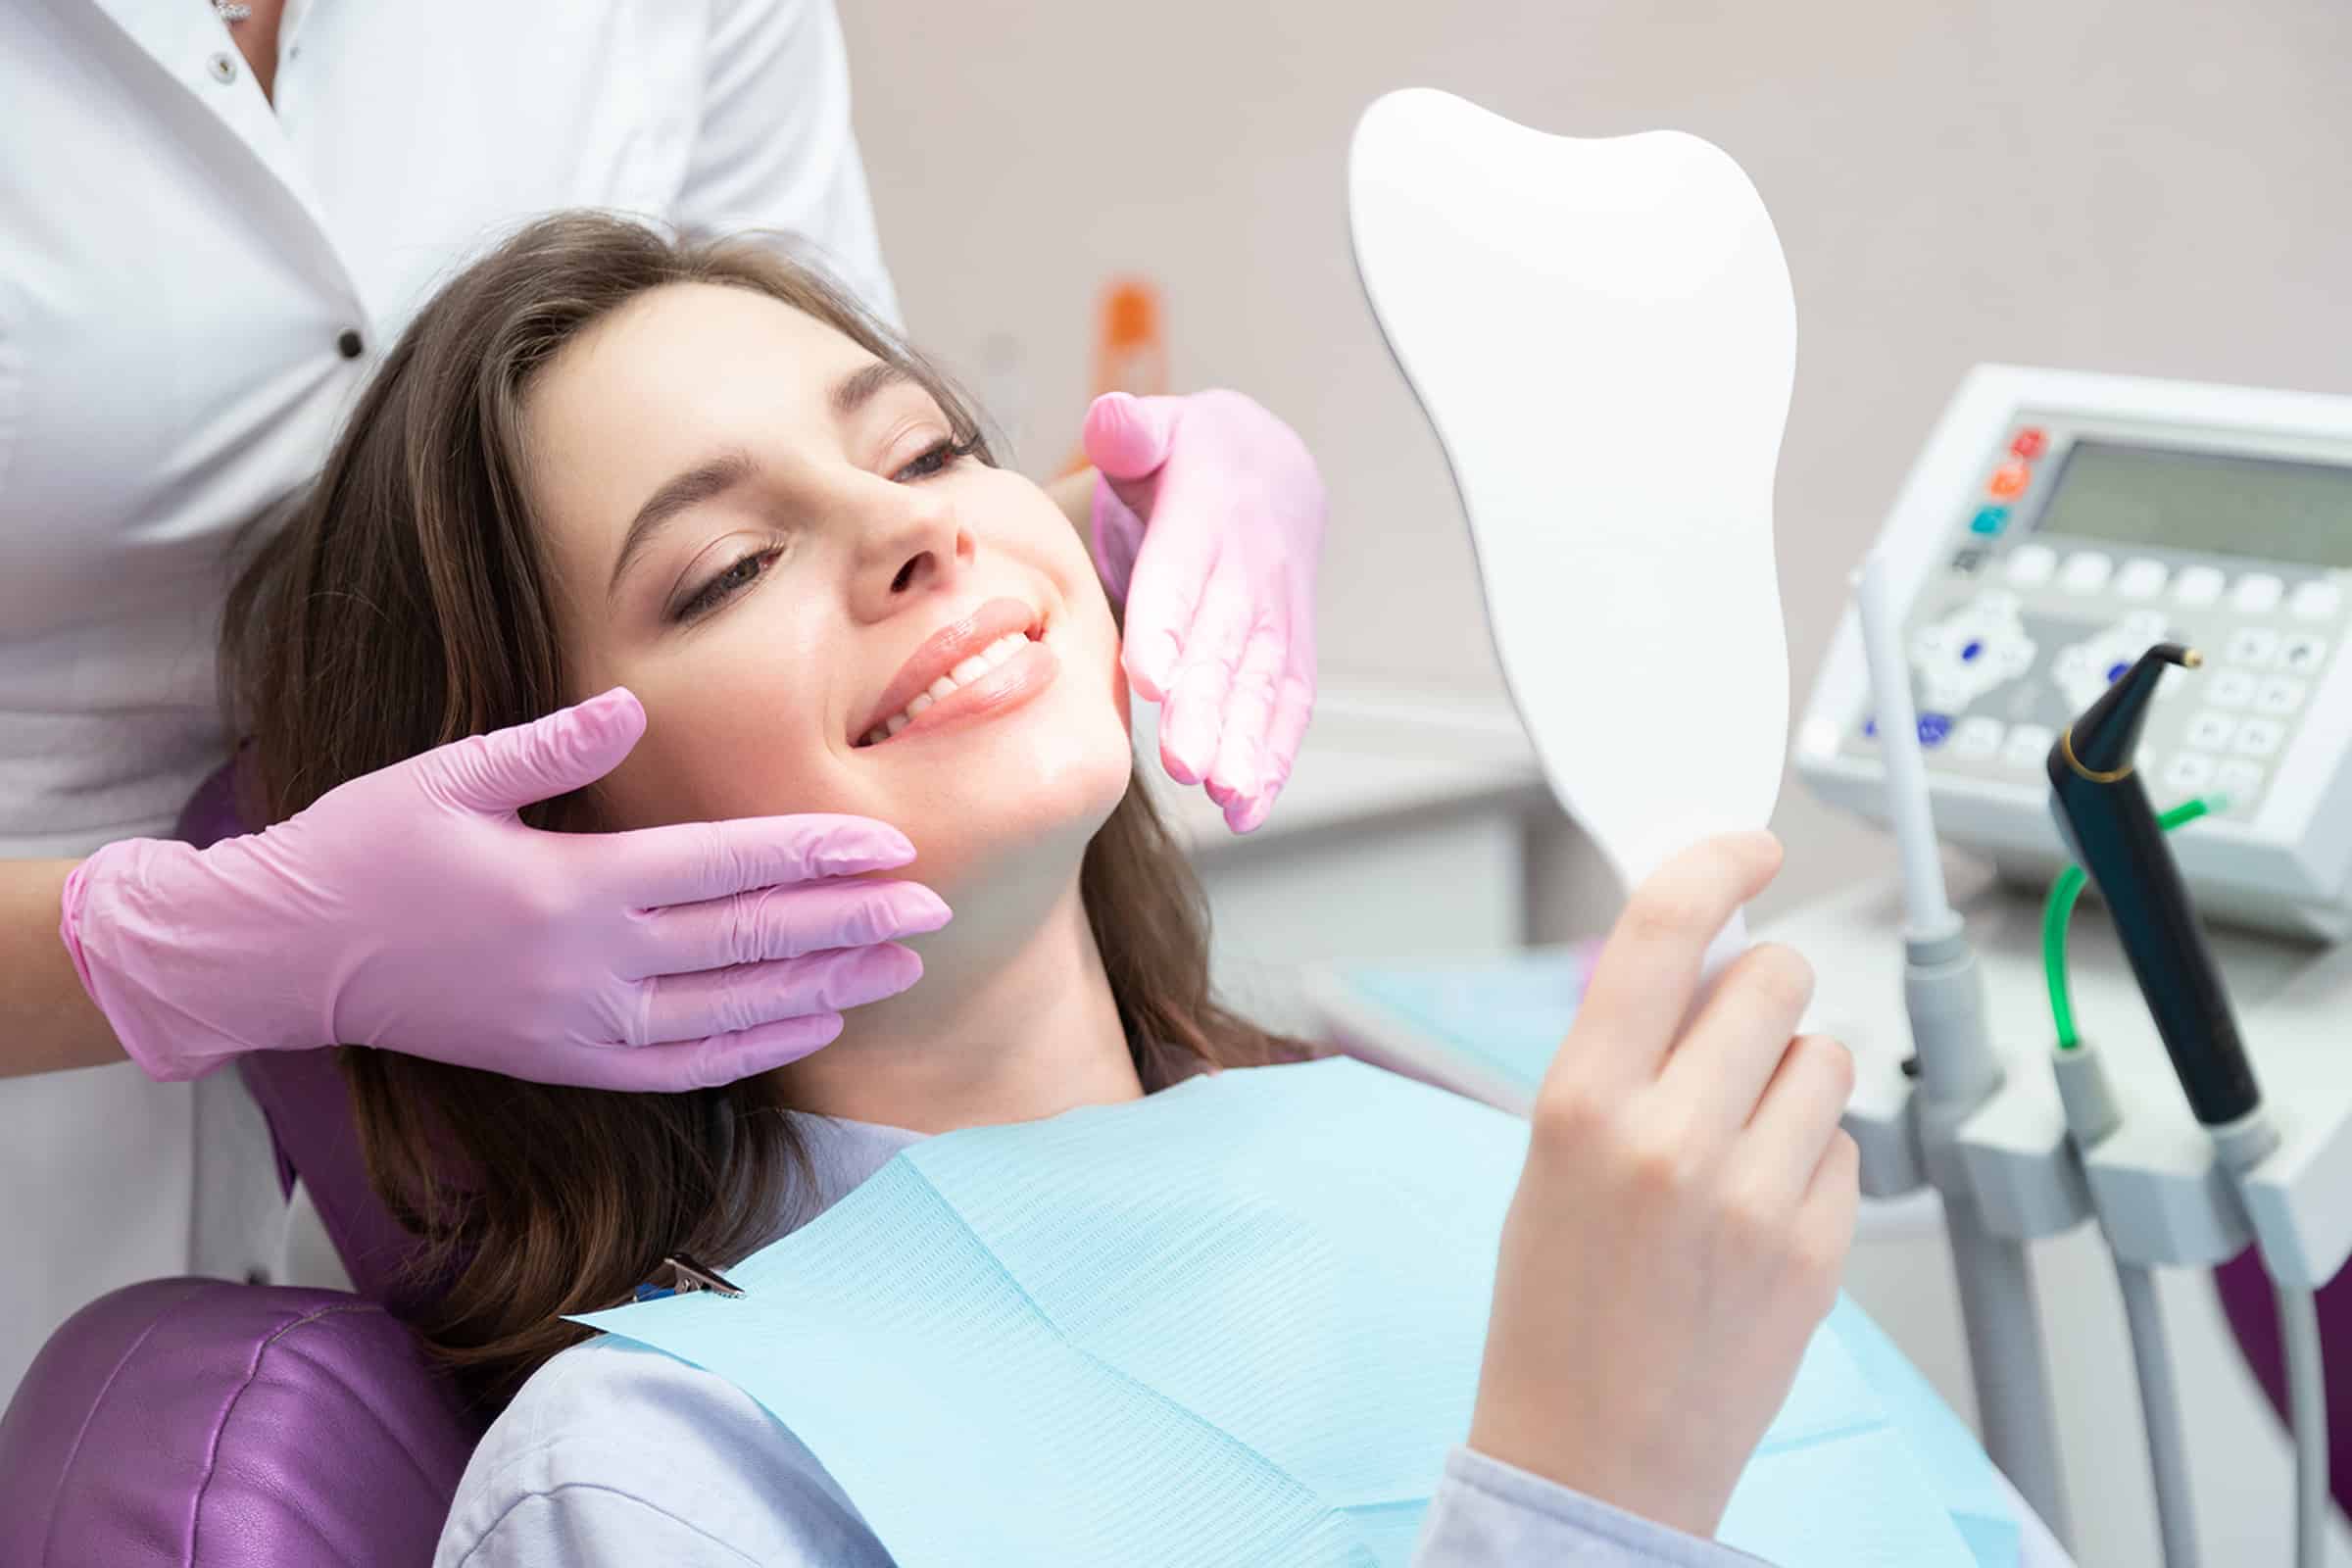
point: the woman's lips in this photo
(995, 692)
(941, 651)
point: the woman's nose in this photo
(918, 546)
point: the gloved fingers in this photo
(1172, 570)
(705, 1063)
(1127, 438)
(713, 1002)
(1294, 706)
(1115, 539)
(511, 769)
(1195, 707)
(784, 922)
(687, 862)
(1240, 764)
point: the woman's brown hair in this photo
(403, 605)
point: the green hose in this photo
(2061, 906)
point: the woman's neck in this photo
(1000, 1029)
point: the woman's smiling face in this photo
(824, 601)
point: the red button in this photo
(2029, 444)
(2010, 480)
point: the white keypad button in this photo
(2279, 695)
(2317, 600)
(2211, 730)
(1977, 738)
(2240, 780)
(2086, 573)
(2303, 655)
(2188, 773)
(2232, 688)
(2140, 579)
(2256, 592)
(2028, 745)
(2197, 585)
(2031, 563)
(2252, 645)
(2258, 737)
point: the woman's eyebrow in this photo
(860, 386)
(705, 481)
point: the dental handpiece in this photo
(2104, 812)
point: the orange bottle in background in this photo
(1130, 353)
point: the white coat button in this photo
(223, 68)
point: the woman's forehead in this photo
(692, 364)
(705, 334)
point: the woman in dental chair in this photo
(700, 482)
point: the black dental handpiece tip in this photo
(2099, 744)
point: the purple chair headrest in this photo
(302, 1094)
(202, 1424)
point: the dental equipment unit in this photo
(1995, 587)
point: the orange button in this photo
(2010, 480)
(2029, 444)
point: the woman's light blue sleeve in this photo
(1487, 1514)
(589, 1527)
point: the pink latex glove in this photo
(1209, 519)
(412, 909)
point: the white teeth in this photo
(970, 670)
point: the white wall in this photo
(2158, 188)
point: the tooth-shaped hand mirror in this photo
(1602, 334)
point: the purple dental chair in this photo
(193, 1423)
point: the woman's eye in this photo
(718, 590)
(939, 458)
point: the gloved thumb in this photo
(571, 748)
(1127, 437)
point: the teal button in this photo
(1992, 519)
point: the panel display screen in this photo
(2267, 509)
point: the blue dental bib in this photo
(1239, 1321)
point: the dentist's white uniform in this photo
(193, 286)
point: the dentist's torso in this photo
(195, 281)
